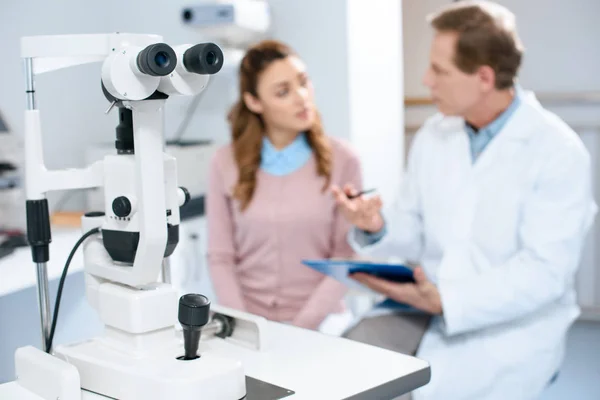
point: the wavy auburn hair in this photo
(247, 128)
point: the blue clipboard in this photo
(340, 270)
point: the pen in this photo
(359, 193)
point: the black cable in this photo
(62, 283)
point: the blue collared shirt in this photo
(479, 139)
(287, 160)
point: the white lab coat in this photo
(502, 239)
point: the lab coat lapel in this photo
(504, 146)
(497, 155)
(459, 196)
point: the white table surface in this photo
(314, 366)
(318, 366)
(17, 271)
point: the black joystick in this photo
(193, 315)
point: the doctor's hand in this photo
(422, 294)
(362, 212)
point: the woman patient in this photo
(268, 205)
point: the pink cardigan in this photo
(255, 256)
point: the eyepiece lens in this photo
(203, 58)
(162, 59)
(212, 58)
(158, 59)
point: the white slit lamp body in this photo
(139, 355)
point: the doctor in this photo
(495, 207)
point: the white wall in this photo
(560, 40)
(71, 119)
(358, 89)
(376, 91)
(562, 56)
(322, 47)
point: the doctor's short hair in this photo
(487, 35)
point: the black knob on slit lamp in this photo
(186, 194)
(39, 235)
(121, 206)
(193, 315)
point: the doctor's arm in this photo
(221, 250)
(329, 293)
(402, 232)
(555, 220)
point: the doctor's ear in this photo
(253, 103)
(487, 77)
